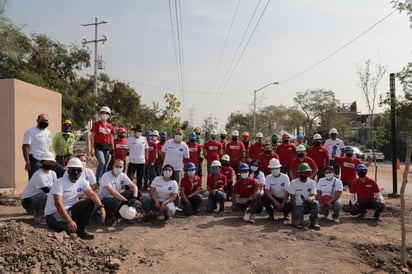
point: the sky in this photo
(222, 61)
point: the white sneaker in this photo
(251, 218)
(336, 220)
(244, 215)
(170, 213)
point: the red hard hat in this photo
(285, 136)
(121, 130)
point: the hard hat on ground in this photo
(127, 212)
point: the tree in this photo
(314, 104)
(169, 113)
(209, 124)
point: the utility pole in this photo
(254, 104)
(95, 41)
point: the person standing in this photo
(335, 148)
(265, 157)
(102, 141)
(120, 147)
(63, 143)
(150, 170)
(235, 149)
(223, 140)
(212, 150)
(138, 155)
(286, 152)
(302, 158)
(36, 142)
(160, 156)
(194, 151)
(257, 147)
(320, 154)
(228, 171)
(246, 143)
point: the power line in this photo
(174, 44)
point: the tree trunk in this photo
(402, 196)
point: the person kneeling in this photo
(189, 190)
(64, 211)
(245, 193)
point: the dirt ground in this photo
(207, 243)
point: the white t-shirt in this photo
(89, 176)
(117, 183)
(278, 185)
(175, 153)
(326, 186)
(300, 189)
(137, 147)
(70, 192)
(39, 180)
(164, 188)
(329, 144)
(260, 178)
(40, 141)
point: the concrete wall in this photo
(20, 104)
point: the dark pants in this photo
(199, 167)
(253, 205)
(321, 172)
(36, 164)
(112, 205)
(139, 170)
(35, 204)
(63, 159)
(267, 203)
(370, 204)
(285, 170)
(149, 175)
(79, 212)
(228, 189)
(191, 207)
(335, 166)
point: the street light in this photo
(254, 103)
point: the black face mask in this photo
(121, 136)
(67, 128)
(192, 141)
(349, 155)
(222, 137)
(234, 139)
(47, 166)
(42, 124)
(301, 155)
(285, 141)
(361, 174)
(303, 178)
(317, 143)
(75, 175)
(267, 152)
(225, 164)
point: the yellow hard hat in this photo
(198, 130)
(245, 134)
(67, 122)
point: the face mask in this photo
(244, 175)
(162, 140)
(285, 141)
(301, 154)
(138, 134)
(167, 173)
(222, 137)
(84, 164)
(191, 173)
(43, 124)
(148, 138)
(105, 117)
(192, 141)
(178, 138)
(361, 174)
(267, 152)
(117, 170)
(329, 176)
(121, 136)
(215, 170)
(253, 168)
(213, 137)
(225, 164)
(349, 155)
(155, 138)
(276, 172)
(67, 128)
(75, 175)
(303, 178)
(333, 136)
(47, 166)
(317, 143)
(234, 139)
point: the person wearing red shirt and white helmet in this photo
(302, 158)
(160, 158)
(319, 153)
(286, 152)
(155, 136)
(335, 148)
(228, 171)
(257, 147)
(235, 149)
(212, 150)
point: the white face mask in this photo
(276, 172)
(138, 134)
(117, 170)
(178, 138)
(244, 175)
(329, 176)
(167, 173)
(253, 168)
(84, 165)
(191, 173)
(155, 138)
(105, 117)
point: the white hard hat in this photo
(47, 156)
(223, 132)
(333, 130)
(235, 133)
(317, 136)
(105, 109)
(127, 212)
(225, 157)
(155, 133)
(216, 163)
(300, 148)
(213, 132)
(75, 162)
(274, 163)
(259, 135)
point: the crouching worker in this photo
(162, 194)
(330, 194)
(34, 196)
(216, 182)
(189, 190)
(245, 194)
(115, 190)
(365, 194)
(64, 211)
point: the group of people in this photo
(64, 193)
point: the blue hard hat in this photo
(349, 148)
(243, 167)
(190, 165)
(163, 134)
(192, 135)
(300, 136)
(149, 133)
(361, 167)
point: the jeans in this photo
(212, 201)
(133, 168)
(80, 214)
(103, 161)
(36, 202)
(306, 208)
(337, 206)
(149, 205)
(178, 176)
(271, 210)
(149, 174)
(191, 207)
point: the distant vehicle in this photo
(358, 153)
(369, 152)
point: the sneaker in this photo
(244, 215)
(362, 215)
(286, 218)
(315, 226)
(85, 235)
(271, 217)
(41, 220)
(377, 218)
(299, 226)
(336, 220)
(170, 213)
(251, 218)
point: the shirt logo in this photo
(282, 184)
(80, 189)
(180, 149)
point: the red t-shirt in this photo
(160, 158)
(190, 187)
(120, 147)
(194, 152)
(103, 132)
(348, 168)
(245, 190)
(286, 154)
(218, 182)
(319, 154)
(294, 164)
(255, 150)
(364, 191)
(264, 161)
(152, 153)
(235, 150)
(212, 150)
(229, 172)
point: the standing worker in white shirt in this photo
(335, 148)
(138, 155)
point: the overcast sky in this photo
(291, 37)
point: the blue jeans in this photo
(36, 202)
(149, 205)
(306, 208)
(212, 201)
(103, 161)
(337, 206)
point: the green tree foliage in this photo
(169, 113)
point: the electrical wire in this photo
(174, 44)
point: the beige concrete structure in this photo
(20, 104)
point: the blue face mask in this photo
(215, 170)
